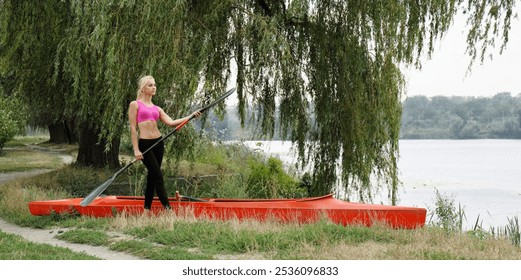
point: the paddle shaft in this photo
(97, 191)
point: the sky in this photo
(446, 73)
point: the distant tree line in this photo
(440, 117)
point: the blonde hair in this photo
(141, 84)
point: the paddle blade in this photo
(96, 192)
(101, 188)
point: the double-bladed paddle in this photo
(101, 188)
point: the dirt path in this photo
(49, 236)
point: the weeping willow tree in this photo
(30, 33)
(337, 61)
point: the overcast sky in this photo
(445, 73)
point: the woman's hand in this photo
(138, 155)
(196, 114)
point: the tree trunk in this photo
(91, 150)
(61, 133)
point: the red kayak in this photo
(303, 210)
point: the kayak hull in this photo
(305, 210)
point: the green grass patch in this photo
(24, 160)
(22, 141)
(216, 237)
(13, 247)
(148, 250)
(30, 153)
(82, 236)
(439, 255)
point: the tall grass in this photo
(446, 216)
(510, 231)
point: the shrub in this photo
(7, 127)
(12, 120)
(446, 215)
(269, 180)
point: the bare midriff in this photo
(148, 130)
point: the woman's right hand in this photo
(138, 155)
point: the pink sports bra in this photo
(145, 113)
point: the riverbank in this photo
(172, 237)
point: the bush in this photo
(446, 215)
(12, 120)
(269, 180)
(7, 126)
(7, 129)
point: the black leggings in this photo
(152, 161)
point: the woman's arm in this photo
(170, 122)
(132, 118)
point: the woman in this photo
(143, 116)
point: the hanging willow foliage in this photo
(337, 61)
(29, 34)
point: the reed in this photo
(512, 231)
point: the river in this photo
(482, 176)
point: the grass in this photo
(83, 236)
(23, 160)
(22, 141)
(170, 236)
(26, 153)
(13, 247)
